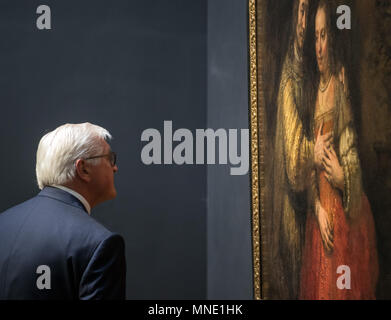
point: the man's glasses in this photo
(112, 156)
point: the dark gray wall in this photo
(229, 224)
(127, 66)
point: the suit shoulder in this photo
(80, 224)
(20, 206)
(14, 216)
(55, 218)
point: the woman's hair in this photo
(58, 150)
(331, 36)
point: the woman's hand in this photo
(322, 142)
(325, 227)
(334, 171)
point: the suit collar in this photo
(77, 195)
(61, 195)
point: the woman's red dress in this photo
(354, 246)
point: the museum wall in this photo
(229, 216)
(127, 66)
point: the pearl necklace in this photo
(323, 96)
(323, 89)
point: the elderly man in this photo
(50, 247)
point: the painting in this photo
(320, 122)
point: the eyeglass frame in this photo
(112, 155)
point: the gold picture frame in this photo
(361, 58)
(254, 116)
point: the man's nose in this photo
(115, 168)
(304, 22)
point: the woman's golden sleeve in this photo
(349, 160)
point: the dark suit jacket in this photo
(86, 260)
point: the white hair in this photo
(58, 150)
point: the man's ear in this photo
(83, 170)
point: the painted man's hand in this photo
(322, 142)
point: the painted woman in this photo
(339, 228)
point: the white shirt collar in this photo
(77, 195)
